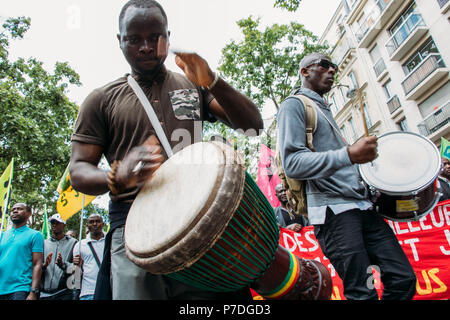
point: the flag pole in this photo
(78, 268)
(81, 220)
(8, 195)
(3, 218)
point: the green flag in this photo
(445, 148)
(45, 227)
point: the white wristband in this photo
(216, 78)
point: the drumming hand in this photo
(195, 67)
(364, 150)
(140, 164)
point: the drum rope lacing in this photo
(261, 236)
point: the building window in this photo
(367, 116)
(403, 18)
(334, 105)
(352, 77)
(352, 125)
(387, 89)
(344, 133)
(403, 125)
(375, 54)
(419, 56)
(378, 63)
(344, 97)
(352, 3)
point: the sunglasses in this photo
(325, 64)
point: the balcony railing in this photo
(370, 19)
(341, 50)
(393, 103)
(439, 118)
(404, 31)
(422, 71)
(442, 3)
(379, 67)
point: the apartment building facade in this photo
(397, 54)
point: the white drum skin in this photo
(404, 176)
(175, 218)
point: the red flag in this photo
(267, 175)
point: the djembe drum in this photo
(202, 220)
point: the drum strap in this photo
(151, 115)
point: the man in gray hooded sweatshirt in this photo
(58, 261)
(349, 232)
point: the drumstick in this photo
(363, 114)
(138, 167)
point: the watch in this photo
(35, 290)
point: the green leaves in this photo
(265, 63)
(17, 27)
(36, 120)
(289, 5)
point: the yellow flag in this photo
(70, 201)
(5, 190)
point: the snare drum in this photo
(404, 176)
(202, 220)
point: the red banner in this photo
(425, 242)
(267, 175)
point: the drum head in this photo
(407, 163)
(175, 216)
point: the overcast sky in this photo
(83, 32)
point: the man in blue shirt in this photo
(21, 254)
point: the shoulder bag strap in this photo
(94, 253)
(151, 115)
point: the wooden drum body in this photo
(202, 220)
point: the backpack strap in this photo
(311, 118)
(295, 189)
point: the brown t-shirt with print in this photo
(113, 118)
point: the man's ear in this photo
(304, 72)
(118, 38)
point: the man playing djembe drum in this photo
(113, 122)
(350, 234)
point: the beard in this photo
(18, 220)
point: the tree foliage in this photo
(264, 66)
(74, 222)
(36, 120)
(265, 63)
(290, 5)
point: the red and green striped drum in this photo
(203, 220)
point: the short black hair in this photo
(141, 4)
(23, 204)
